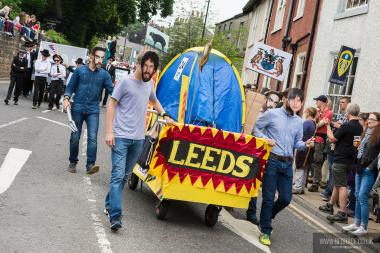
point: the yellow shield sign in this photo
(344, 62)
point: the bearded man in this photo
(87, 82)
(125, 128)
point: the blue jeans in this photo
(363, 183)
(124, 157)
(92, 122)
(2, 21)
(252, 209)
(277, 176)
(329, 188)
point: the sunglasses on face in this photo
(57, 60)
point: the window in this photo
(337, 91)
(225, 25)
(299, 70)
(229, 27)
(254, 24)
(241, 28)
(266, 82)
(300, 9)
(355, 3)
(280, 13)
(349, 8)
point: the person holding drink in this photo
(368, 151)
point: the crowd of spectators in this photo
(27, 25)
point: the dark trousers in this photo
(16, 80)
(105, 97)
(56, 89)
(39, 88)
(28, 82)
(278, 176)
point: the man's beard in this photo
(98, 65)
(148, 78)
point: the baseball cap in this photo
(322, 98)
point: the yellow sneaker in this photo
(264, 239)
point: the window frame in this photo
(344, 12)
(300, 9)
(281, 7)
(297, 71)
(343, 90)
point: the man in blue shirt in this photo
(87, 82)
(283, 129)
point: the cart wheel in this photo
(211, 215)
(133, 181)
(162, 209)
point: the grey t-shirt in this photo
(130, 116)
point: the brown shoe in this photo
(92, 169)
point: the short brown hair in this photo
(312, 112)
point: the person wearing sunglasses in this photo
(58, 75)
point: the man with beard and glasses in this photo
(125, 128)
(87, 82)
(283, 129)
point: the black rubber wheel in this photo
(211, 215)
(133, 181)
(162, 209)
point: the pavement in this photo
(43, 208)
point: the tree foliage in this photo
(83, 20)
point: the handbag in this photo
(150, 142)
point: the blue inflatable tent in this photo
(209, 93)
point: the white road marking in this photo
(46, 111)
(53, 121)
(104, 244)
(242, 228)
(12, 164)
(84, 143)
(13, 122)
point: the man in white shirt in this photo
(42, 68)
(58, 75)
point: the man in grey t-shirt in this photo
(125, 128)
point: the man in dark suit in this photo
(31, 57)
(18, 68)
(111, 70)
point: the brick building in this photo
(292, 28)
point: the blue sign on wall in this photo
(342, 65)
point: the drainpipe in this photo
(310, 46)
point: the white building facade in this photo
(355, 24)
(258, 16)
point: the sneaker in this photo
(34, 107)
(6, 102)
(313, 188)
(328, 208)
(50, 108)
(298, 192)
(351, 227)
(105, 211)
(115, 225)
(38, 106)
(360, 231)
(92, 169)
(338, 217)
(376, 239)
(15, 103)
(72, 168)
(264, 239)
(324, 196)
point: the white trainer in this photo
(351, 227)
(360, 231)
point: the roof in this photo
(250, 5)
(234, 17)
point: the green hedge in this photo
(57, 37)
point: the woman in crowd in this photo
(366, 173)
(304, 157)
